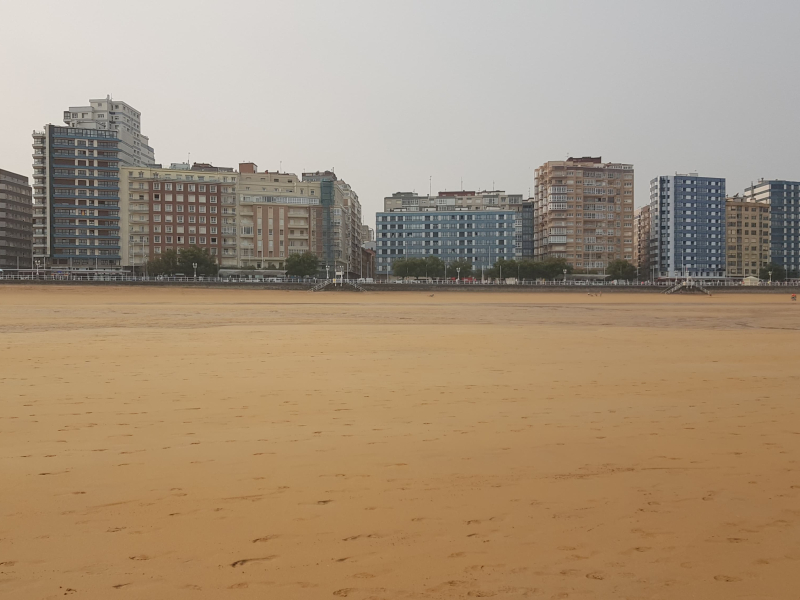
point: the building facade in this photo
(341, 222)
(479, 236)
(784, 200)
(748, 236)
(523, 229)
(76, 202)
(114, 115)
(16, 221)
(641, 241)
(687, 225)
(176, 208)
(279, 215)
(583, 212)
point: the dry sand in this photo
(183, 444)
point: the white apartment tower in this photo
(115, 115)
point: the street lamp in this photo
(458, 271)
(770, 277)
(37, 268)
(194, 266)
(565, 276)
(328, 276)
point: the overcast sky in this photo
(391, 93)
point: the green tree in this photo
(621, 269)
(302, 265)
(206, 264)
(778, 272)
(434, 266)
(163, 264)
(463, 264)
(553, 268)
(503, 269)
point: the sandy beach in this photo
(182, 444)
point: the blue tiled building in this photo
(784, 200)
(76, 203)
(687, 225)
(480, 236)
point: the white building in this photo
(114, 115)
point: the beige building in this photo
(748, 236)
(173, 208)
(461, 200)
(281, 214)
(641, 241)
(583, 212)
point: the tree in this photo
(434, 266)
(778, 272)
(206, 264)
(621, 269)
(163, 264)
(503, 269)
(463, 264)
(302, 265)
(553, 268)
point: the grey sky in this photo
(389, 94)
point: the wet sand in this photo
(182, 444)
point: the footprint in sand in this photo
(139, 557)
(726, 578)
(344, 592)
(595, 575)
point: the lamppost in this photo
(328, 275)
(458, 271)
(37, 268)
(565, 276)
(770, 277)
(194, 266)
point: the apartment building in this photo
(523, 228)
(748, 235)
(341, 222)
(114, 115)
(76, 203)
(279, 215)
(175, 208)
(480, 236)
(583, 212)
(367, 234)
(460, 200)
(783, 198)
(16, 221)
(687, 225)
(641, 241)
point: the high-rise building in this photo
(76, 206)
(341, 222)
(16, 222)
(784, 200)
(523, 228)
(641, 240)
(748, 236)
(583, 212)
(114, 115)
(687, 225)
(176, 208)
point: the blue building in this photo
(76, 204)
(784, 200)
(480, 236)
(687, 226)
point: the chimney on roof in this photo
(248, 167)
